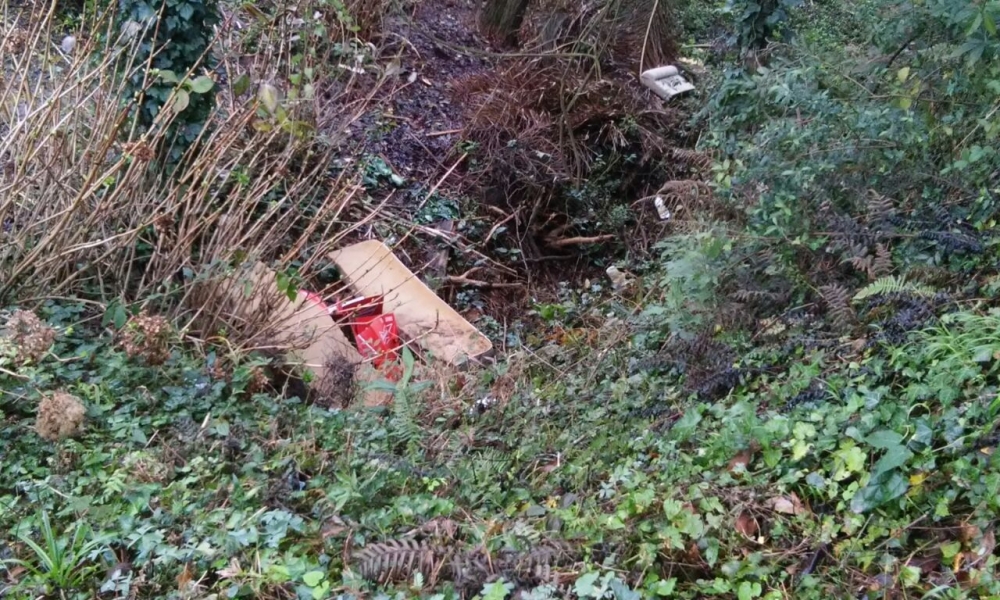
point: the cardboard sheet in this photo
(300, 324)
(370, 268)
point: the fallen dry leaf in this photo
(184, 578)
(230, 571)
(14, 573)
(968, 533)
(335, 526)
(926, 564)
(739, 463)
(746, 525)
(789, 505)
(694, 554)
(986, 547)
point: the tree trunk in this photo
(501, 19)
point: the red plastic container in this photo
(373, 333)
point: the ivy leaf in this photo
(584, 586)
(167, 76)
(498, 590)
(268, 95)
(181, 101)
(115, 315)
(852, 460)
(622, 591)
(884, 439)
(664, 587)
(202, 85)
(312, 578)
(241, 85)
(879, 490)
(895, 456)
(748, 590)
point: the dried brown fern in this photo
(874, 265)
(878, 206)
(693, 159)
(882, 265)
(683, 195)
(838, 303)
(534, 567)
(397, 560)
(864, 265)
(437, 529)
(468, 569)
(747, 295)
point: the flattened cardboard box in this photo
(300, 324)
(370, 269)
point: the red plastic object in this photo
(378, 339)
(375, 334)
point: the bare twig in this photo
(576, 241)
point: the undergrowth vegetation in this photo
(791, 392)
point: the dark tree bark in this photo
(501, 19)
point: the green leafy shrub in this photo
(758, 21)
(176, 41)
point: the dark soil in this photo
(426, 127)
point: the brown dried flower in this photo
(140, 150)
(60, 415)
(259, 381)
(145, 467)
(147, 336)
(30, 336)
(16, 39)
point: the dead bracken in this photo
(30, 336)
(148, 337)
(60, 415)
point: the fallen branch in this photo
(493, 229)
(14, 375)
(445, 132)
(576, 241)
(459, 280)
(464, 279)
(440, 181)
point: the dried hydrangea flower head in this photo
(60, 415)
(147, 336)
(30, 336)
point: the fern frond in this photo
(437, 529)
(471, 568)
(864, 264)
(893, 285)
(404, 425)
(878, 206)
(882, 265)
(684, 189)
(397, 560)
(837, 300)
(747, 295)
(534, 566)
(701, 161)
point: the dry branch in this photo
(576, 241)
